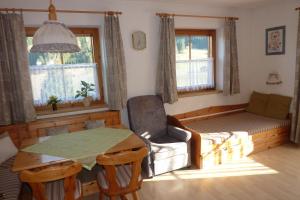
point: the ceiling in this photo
(229, 3)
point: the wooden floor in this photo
(269, 175)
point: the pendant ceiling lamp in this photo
(54, 37)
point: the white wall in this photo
(141, 65)
(269, 16)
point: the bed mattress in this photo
(236, 125)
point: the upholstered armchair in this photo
(169, 146)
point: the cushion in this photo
(147, 116)
(167, 150)
(57, 130)
(91, 124)
(278, 106)
(88, 175)
(123, 175)
(258, 103)
(55, 190)
(9, 181)
(7, 148)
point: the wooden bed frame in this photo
(225, 152)
(19, 132)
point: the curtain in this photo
(62, 80)
(166, 85)
(231, 84)
(295, 130)
(195, 75)
(16, 101)
(116, 69)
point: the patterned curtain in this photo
(16, 101)
(231, 84)
(166, 85)
(295, 131)
(116, 69)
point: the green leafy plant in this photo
(53, 100)
(85, 89)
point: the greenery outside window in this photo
(60, 74)
(195, 60)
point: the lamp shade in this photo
(273, 79)
(54, 37)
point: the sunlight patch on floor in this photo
(244, 167)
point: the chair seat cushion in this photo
(123, 173)
(55, 190)
(166, 150)
(88, 175)
(164, 139)
(9, 181)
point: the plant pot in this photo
(54, 107)
(87, 101)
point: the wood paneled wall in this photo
(19, 132)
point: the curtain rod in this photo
(196, 16)
(61, 11)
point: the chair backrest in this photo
(131, 159)
(147, 115)
(37, 179)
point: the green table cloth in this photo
(82, 146)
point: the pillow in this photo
(57, 130)
(278, 106)
(258, 103)
(7, 148)
(94, 124)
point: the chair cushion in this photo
(91, 124)
(57, 130)
(123, 176)
(258, 103)
(88, 175)
(166, 147)
(55, 190)
(147, 116)
(9, 181)
(7, 148)
(278, 106)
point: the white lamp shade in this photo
(54, 37)
(273, 79)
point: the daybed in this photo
(225, 133)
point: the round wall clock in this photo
(139, 40)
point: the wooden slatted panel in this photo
(38, 128)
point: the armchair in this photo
(168, 146)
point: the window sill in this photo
(70, 111)
(199, 93)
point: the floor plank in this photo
(269, 175)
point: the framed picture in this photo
(139, 40)
(275, 40)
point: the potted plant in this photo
(86, 88)
(53, 101)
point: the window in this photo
(195, 60)
(60, 74)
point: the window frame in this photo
(94, 33)
(200, 32)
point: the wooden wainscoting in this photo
(19, 132)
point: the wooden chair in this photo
(56, 182)
(121, 174)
